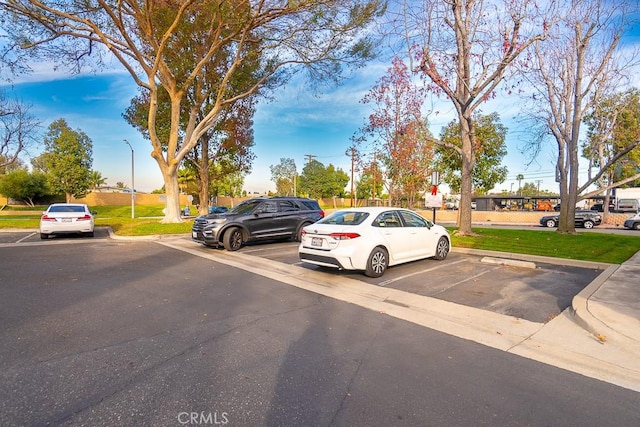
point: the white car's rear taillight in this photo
(344, 236)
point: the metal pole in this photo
(133, 185)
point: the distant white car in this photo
(65, 218)
(372, 239)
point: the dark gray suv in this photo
(586, 219)
(263, 218)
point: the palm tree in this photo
(520, 177)
(96, 179)
(187, 180)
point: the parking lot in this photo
(99, 331)
(537, 292)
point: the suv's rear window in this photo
(311, 204)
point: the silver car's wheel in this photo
(588, 224)
(550, 223)
(442, 248)
(232, 239)
(377, 262)
(636, 226)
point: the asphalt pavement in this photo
(598, 336)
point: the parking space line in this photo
(26, 237)
(395, 279)
(270, 249)
(466, 280)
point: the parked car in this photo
(586, 219)
(218, 209)
(451, 204)
(66, 218)
(628, 205)
(633, 222)
(599, 207)
(263, 218)
(372, 239)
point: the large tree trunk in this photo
(466, 180)
(172, 191)
(203, 182)
(203, 194)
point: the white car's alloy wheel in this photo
(377, 262)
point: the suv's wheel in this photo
(377, 262)
(550, 223)
(442, 249)
(44, 236)
(588, 224)
(298, 235)
(232, 239)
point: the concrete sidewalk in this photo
(599, 335)
(609, 307)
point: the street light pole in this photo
(132, 182)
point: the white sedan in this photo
(64, 218)
(372, 239)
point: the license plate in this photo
(194, 234)
(316, 241)
(66, 219)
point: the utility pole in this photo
(351, 151)
(538, 181)
(374, 179)
(310, 157)
(133, 208)
(520, 177)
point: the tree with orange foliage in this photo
(397, 133)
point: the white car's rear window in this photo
(66, 208)
(345, 218)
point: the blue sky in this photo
(296, 124)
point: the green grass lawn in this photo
(598, 247)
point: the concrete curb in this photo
(533, 258)
(509, 262)
(150, 238)
(580, 306)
